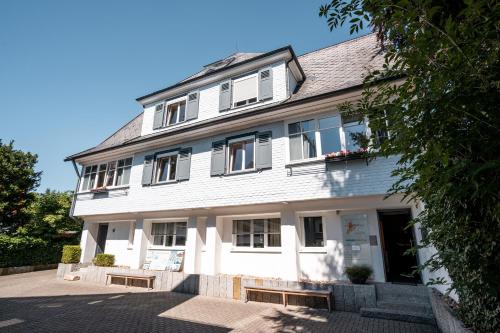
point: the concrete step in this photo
(424, 308)
(401, 315)
(400, 293)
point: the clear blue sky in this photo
(70, 70)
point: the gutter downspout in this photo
(73, 201)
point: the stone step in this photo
(400, 315)
(401, 290)
(424, 308)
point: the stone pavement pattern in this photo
(37, 302)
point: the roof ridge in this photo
(337, 44)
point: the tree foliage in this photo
(444, 124)
(18, 180)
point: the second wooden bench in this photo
(297, 292)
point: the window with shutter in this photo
(159, 116)
(183, 164)
(225, 96)
(265, 84)
(263, 149)
(192, 106)
(245, 90)
(218, 165)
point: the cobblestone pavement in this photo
(37, 302)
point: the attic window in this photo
(245, 90)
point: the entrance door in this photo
(396, 240)
(101, 238)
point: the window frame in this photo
(320, 154)
(303, 232)
(166, 117)
(243, 160)
(106, 174)
(156, 173)
(266, 233)
(242, 78)
(174, 245)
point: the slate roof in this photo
(327, 70)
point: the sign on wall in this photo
(164, 260)
(355, 232)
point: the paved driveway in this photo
(37, 302)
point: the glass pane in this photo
(330, 140)
(258, 240)
(313, 230)
(163, 169)
(243, 240)
(173, 167)
(249, 154)
(180, 228)
(273, 240)
(111, 173)
(352, 119)
(173, 113)
(94, 168)
(274, 226)
(100, 177)
(128, 161)
(119, 176)
(236, 156)
(307, 125)
(87, 170)
(169, 240)
(92, 180)
(126, 175)
(182, 112)
(157, 228)
(180, 240)
(121, 163)
(158, 240)
(350, 136)
(243, 226)
(294, 128)
(169, 228)
(86, 182)
(329, 122)
(309, 144)
(258, 226)
(295, 147)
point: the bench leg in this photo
(284, 299)
(126, 282)
(329, 302)
(107, 277)
(246, 296)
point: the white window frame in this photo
(243, 162)
(319, 150)
(241, 78)
(157, 170)
(266, 233)
(108, 162)
(170, 102)
(303, 232)
(151, 246)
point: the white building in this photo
(229, 166)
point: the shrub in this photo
(103, 259)
(71, 254)
(358, 274)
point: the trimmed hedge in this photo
(71, 254)
(18, 251)
(103, 259)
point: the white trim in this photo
(156, 170)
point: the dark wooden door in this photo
(398, 238)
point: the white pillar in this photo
(88, 242)
(289, 240)
(213, 245)
(193, 246)
(139, 246)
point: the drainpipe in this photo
(73, 201)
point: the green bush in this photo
(18, 251)
(103, 259)
(358, 274)
(71, 254)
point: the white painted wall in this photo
(117, 242)
(209, 101)
(354, 178)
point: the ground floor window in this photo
(257, 233)
(313, 231)
(169, 234)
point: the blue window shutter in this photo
(218, 166)
(265, 84)
(183, 164)
(192, 105)
(159, 116)
(225, 95)
(147, 171)
(263, 150)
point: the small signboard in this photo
(164, 260)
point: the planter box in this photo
(445, 317)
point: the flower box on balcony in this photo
(99, 190)
(345, 155)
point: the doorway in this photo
(102, 233)
(396, 239)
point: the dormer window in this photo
(245, 90)
(176, 113)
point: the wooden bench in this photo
(149, 278)
(298, 292)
